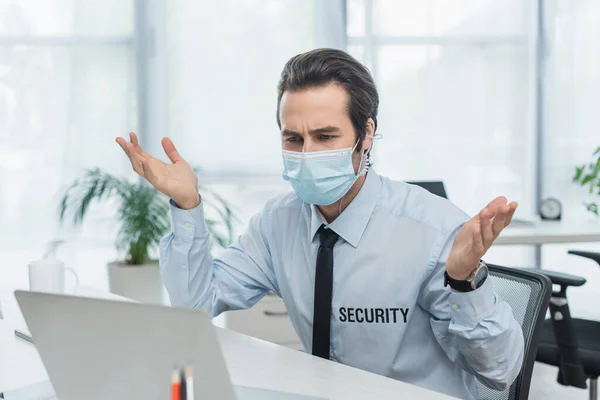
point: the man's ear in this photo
(370, 131)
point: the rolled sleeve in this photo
(469, 308)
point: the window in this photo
(457, 83)
(572, 81)
(221, 82)
(455, 101)
(67, 88)
(571, 126)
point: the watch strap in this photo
(458, 285)
(469, 284)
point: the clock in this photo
(550, 209)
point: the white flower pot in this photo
(138, 282)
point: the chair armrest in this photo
(559, 278)
(587, 254)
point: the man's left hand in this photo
(477, 236)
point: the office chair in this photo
(528, 294)
(435, 187)
(571, 344)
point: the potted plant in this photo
(143, 219)
(589, 175)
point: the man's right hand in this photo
(177, 180)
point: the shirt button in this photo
(455, 307)
(184, 266)
(187, 225)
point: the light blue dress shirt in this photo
(391, 313)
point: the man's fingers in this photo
(495, 205)
(129, 151)
(138, 147)
(134, 139)
(121, 142)
(497, 201)
(486, 227)
(148, 172)
(136, 144)
(513, 207)
(135, 159)
(134, 156)
(499, 221)
(170, 150)
(478, 245)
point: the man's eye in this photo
(291, 139)
(325, 137)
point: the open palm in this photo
(477, 236)
(177, 180)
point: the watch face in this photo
(550, 209)
(480, 275)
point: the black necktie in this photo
(323, 289)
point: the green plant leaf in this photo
(593, 207)
(78, 197)
(586, 179)
(142, 213)
(589, 175)
(225, 211)
(578, 173)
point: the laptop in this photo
(98, 349)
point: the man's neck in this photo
(332, 211)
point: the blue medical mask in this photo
(322, 177)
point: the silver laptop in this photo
(97, 349)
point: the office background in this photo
(492, 97)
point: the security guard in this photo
(377, 274)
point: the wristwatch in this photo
(475, 280)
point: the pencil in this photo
(175, 385)
(189, 382)
(182, 389)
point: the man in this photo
(376, 274)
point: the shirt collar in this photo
(351, 223)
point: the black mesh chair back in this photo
(528, 293)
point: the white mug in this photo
(48, 275)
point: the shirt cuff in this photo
(188, 224)
(469, 308)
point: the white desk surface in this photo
(542, 232)
(251, 362)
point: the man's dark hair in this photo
(321, 67)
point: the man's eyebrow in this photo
(317, 131)
(326, 129)
(288, 132)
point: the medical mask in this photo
(322, 177)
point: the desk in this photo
(251, 362)
(543, 232)
(546, 232)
